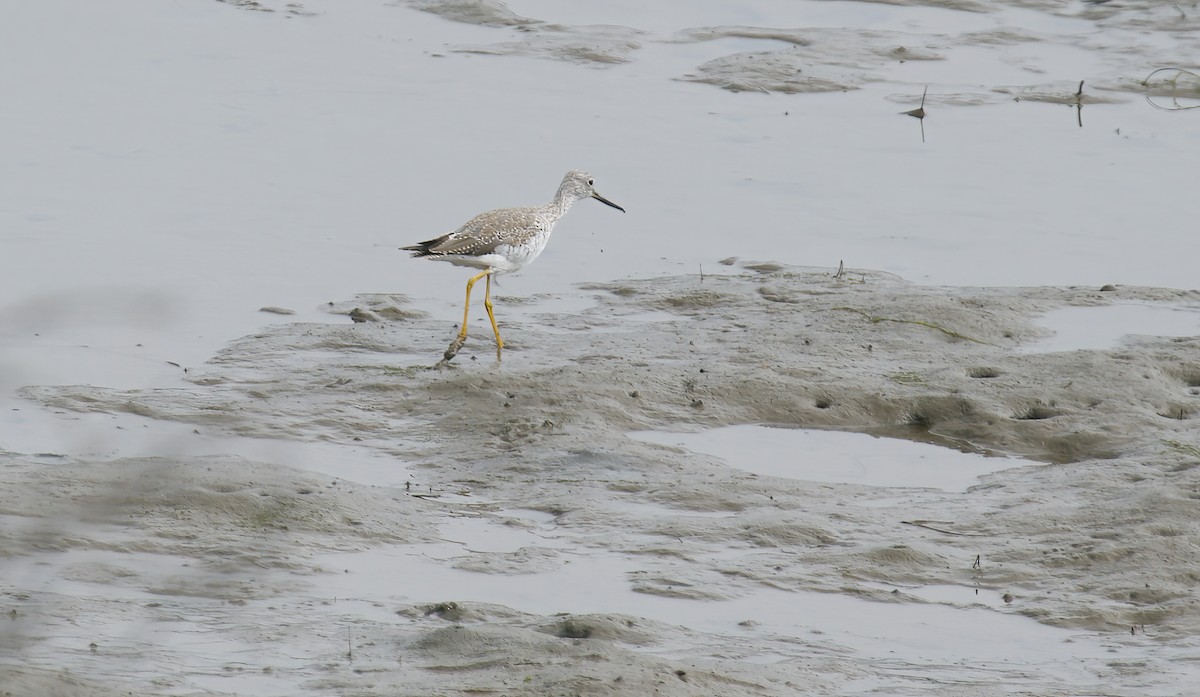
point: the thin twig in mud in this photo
(841, 274)
(876, 320)
(1079, 104)
(925, 524)
(919, 113)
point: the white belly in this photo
(512, 257)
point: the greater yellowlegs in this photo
(505, 240)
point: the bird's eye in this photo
(591, 182)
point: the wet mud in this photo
(1124, 38)
(1093, 534)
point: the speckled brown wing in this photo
(482, 234)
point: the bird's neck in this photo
(561, 204)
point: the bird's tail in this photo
(424, 249)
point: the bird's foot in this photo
(452, 350)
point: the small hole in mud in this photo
(823, 403)
(1039, 413)
(984, 372)
(919, 420)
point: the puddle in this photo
(542, 519)
(599, 584)
(838, 457)
(1107, 326)
(45, 363)
(487, 535)
(947, 594)
(210, 644)
(792, 623)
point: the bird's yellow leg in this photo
(462, 333)
(487, 303)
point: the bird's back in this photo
(480, 235)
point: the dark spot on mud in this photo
(696, 299)
(359, 315)
(1039, 412)
(1190, 377)
(983, 372)
(823, 403)
(573, 629)
(919, 420)
(764, 267)
(777, 296)
(450, 611)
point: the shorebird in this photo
(505, 240)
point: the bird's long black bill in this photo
(606, 202)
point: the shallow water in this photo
(207, 498)
(835, 456)
(1107, 326)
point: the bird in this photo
(505, 240)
